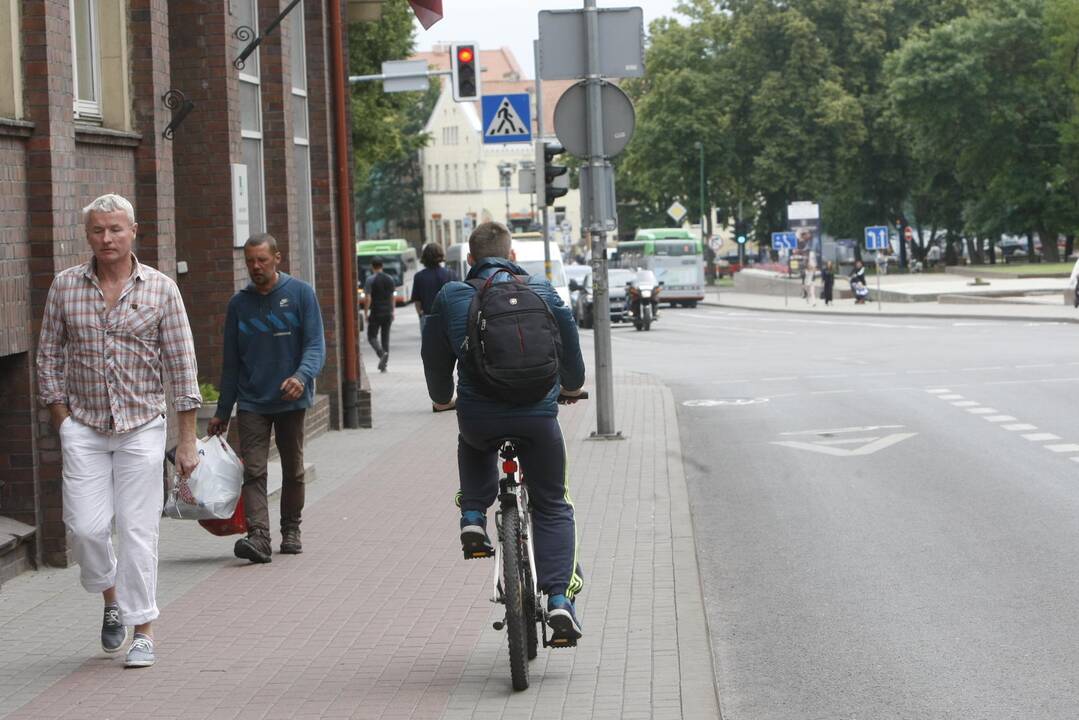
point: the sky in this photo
(512, 23)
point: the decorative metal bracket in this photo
(176, 101)
(247, 35)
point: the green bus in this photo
(675, 256)
(398, 261)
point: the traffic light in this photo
(741, 231)
(464, 62)
(552, 181)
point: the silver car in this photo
(616, 284)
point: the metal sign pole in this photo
(601, 298)
(878, 282)
(539, 138)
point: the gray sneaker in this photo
(290, 541)
(141, 652)
(113, 632)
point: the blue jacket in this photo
(269, 338)
(447, 328)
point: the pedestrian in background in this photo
(828, 278)
(274, 347)
(809, 279)
(429, 281)
(111, 326)
(378, 309)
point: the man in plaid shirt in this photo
(112, 326)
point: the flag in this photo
(428, 12)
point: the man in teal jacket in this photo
(482, 419)
(274, 348)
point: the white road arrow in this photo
(827, 447)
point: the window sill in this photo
(16, 128)
(103, 136)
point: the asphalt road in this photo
(886, 511)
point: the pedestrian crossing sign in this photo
(507, 118)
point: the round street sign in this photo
(908, 233)
(571, 119)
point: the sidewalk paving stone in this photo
(380, 617)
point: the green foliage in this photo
(959, 116)
(387, 127)
(209, 393)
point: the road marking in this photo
(923, 372)
(840, 431)
(981, 369)
(1074, 459)
(1038, 365)
(1019, 427)
(1063, 448)
(1041, 437)
(965, 403)
(1000, 418)
(778, 379)
(878, 374)
(830, 392)
(824, 377)
(981, 410)
(938, 391)
(950, 397)
(873, 445)
(725, 402)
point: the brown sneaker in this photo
(255, 547)
(290, 541)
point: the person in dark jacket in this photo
(429, 281)
(482, 419)
(378, 309)
(828, 277)
(274, 348)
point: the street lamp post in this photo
(505, 171)
(706, 220)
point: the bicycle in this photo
(513, 577)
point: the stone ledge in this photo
(16, 128)
(93, 135)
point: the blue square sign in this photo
(507, 118)
(784, 241)
(877, 238)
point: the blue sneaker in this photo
(474, 540)
(561, 618)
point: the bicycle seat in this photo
(515, 441)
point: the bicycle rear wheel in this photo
(515, 590)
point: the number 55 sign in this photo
(876, 238)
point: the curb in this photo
(921, 316)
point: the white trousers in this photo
(109, 477)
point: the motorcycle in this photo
(644, 299)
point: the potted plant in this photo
(210, 396)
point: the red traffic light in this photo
(465, 55)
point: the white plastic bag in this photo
(213, 489)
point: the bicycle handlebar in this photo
(563, 399)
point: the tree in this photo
(386, 127)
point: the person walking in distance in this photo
(429, 281)
(828, 278)
(378, 308)
(274, 348)
(111, 326)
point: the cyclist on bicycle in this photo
(482, 420)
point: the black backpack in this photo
(513, 343)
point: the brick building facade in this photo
(82, 84)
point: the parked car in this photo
(575, 275)
(616, 284)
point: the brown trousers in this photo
(254, 429)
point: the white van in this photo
(457, 260)
(529, 254)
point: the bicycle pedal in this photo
(477, 553)
(563, 643)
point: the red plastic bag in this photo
(235, 525)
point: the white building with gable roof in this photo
(462, 181)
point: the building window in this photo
(251, 122)
(86, 67)
(10, 56)
(305, 230)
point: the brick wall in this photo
(18, 491)
(100, 168)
